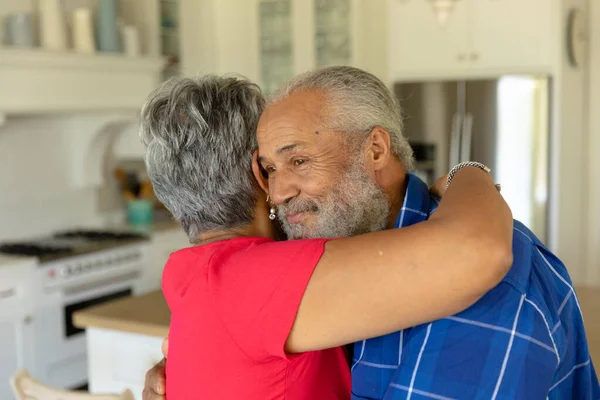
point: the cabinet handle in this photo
(461, 57)
(474, 56)
(28, 320)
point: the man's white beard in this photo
(354, 206)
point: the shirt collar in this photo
(418, 203)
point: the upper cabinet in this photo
(419, 42)
(339, 32)
(513, 34)
(270, 41)
(463, 37)
(219, 37)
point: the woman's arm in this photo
(379, 283)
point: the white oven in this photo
(67, 285)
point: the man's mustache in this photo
(296, 206)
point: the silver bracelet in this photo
(462, 165)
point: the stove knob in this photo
(76, 269)
(65, 272)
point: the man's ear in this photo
(380, 144)
(259, 173)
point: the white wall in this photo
(593, 146)
(568, 160)
(41, 189)
(35, 191)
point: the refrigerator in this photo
(503, 123)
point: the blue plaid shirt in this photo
(523, 340)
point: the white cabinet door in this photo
(9, 356)
(120, 360)
(513, 34)
(15, 350)
(219, 37)
(16, 340)
(276, 43)
(419, 45)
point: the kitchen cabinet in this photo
(335, 32)
(476, 36)
(119, 360)
(513, 34)
(270, 41)
(15, 332)
(16, 324)
(219, 37)
(418, 43)
(124, 341)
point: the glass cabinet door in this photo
(333, 39)
(276, 43)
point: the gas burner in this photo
(32, 249)
(97, 236)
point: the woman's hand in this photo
(439, 186)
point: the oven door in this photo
(60, 345)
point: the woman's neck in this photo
(216, 236)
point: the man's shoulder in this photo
(537, 273)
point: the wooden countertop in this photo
(147, 314)
(589, 300)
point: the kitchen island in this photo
(124, 340)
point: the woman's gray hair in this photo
(200, 135)
(357, 102)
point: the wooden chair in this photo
(27, 388)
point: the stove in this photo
(70, 243)
(98, 236)
(33, 250)
(76, 269)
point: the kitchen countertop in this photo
(161, 225)
(147, 315)
(10, 261)
(589, 300)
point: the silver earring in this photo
(272, 210)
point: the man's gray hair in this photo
(200, 135)
(357, 102)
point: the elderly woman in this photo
(256, 318)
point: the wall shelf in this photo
(36, 81)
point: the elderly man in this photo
(523, 340)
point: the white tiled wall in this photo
(36, 192)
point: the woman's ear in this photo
(259, 173)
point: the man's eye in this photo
(269, 170)
(299, 162)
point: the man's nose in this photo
(283, 187)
